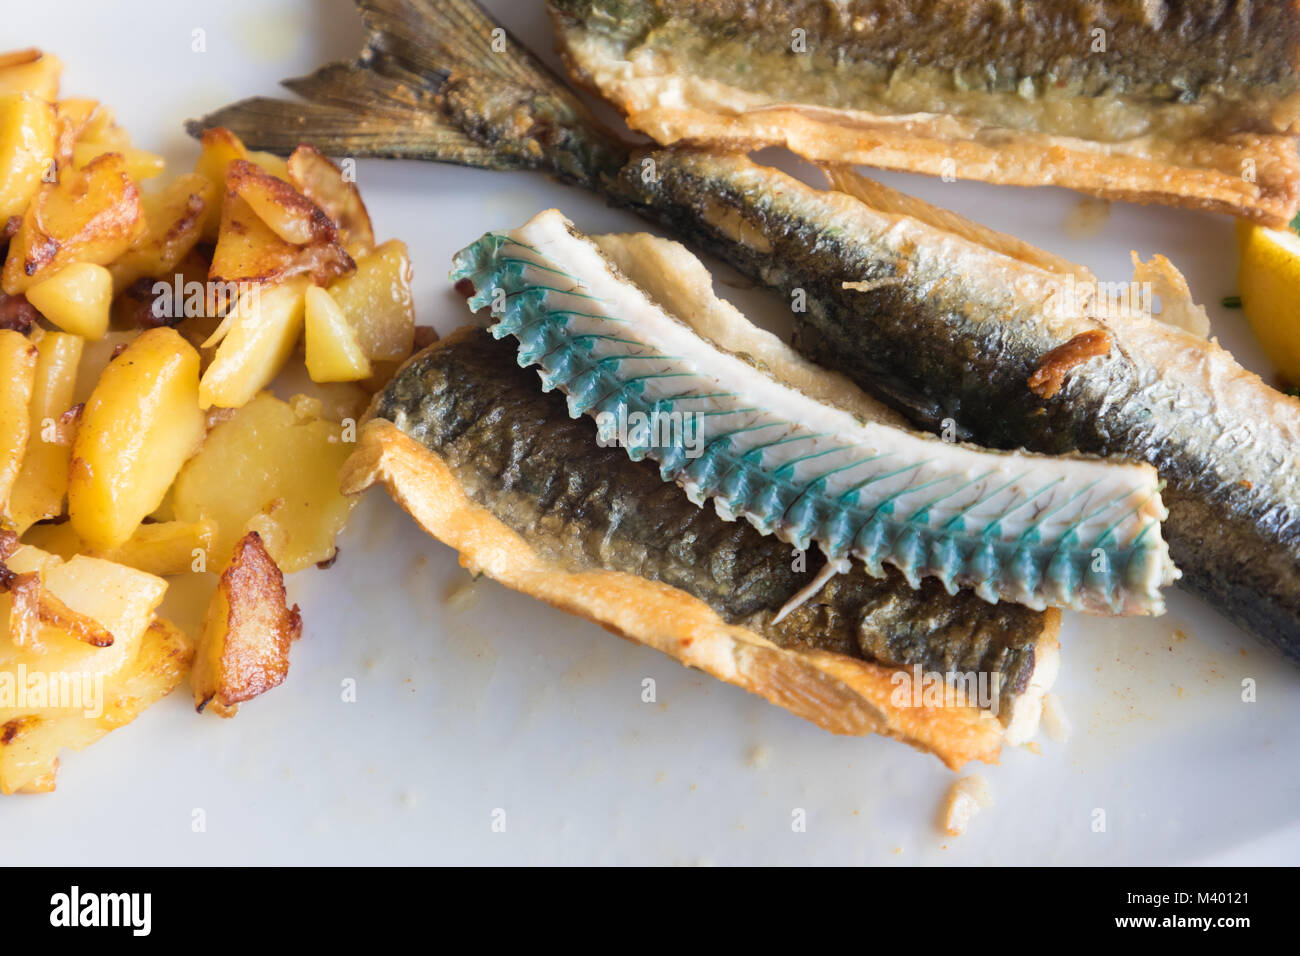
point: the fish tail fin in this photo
(437, 80)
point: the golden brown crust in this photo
(840, 694)
(244, 647)
(1252, 175)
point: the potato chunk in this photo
(274, 466)
(258, 213)
(140, 425)
(333, 353)
(91, 215)
(18, 359)
(220, 148)
(256, 340)
(175, 217)
(30, 71)
(30, 744)
(43, 478)
(77, 299)
(244, 646)
(377, 302)
(27, 143)
(324, 184)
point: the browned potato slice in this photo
(322, 182)
(220, 148)
(175, 217)
(43, 479)
(90, 215)
(18, 359)
(244, 647)
(27, 144)
(291, 215)
(249, 250)
(377, 302)
(30, 71)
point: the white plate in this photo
(506, 704)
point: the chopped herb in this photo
(1232, 302)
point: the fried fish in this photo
(1180, 102)
(954, 325)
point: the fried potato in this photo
(140, 164)
(30, 71)
(254, 342)
(333, 353)
(95, 357)
(42, 480)
(323, 183)
(119, 600)
(174, 218)
(17, 380)
(377, 302)
(279, 466)
(163, 548)
(243, 650)
(72, 116)
(219, 148)
(27, 144)
(90, 215)
(291, 215)
(77, 299)
(257, 214)
(140, 424)
(30, 744)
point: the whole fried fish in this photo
(1182, 101)
(958, 327)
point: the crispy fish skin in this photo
(953, 331)
(1186, 103)
(517, 454)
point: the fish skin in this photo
(1178, 51)
(519, 454)
(1234, 525)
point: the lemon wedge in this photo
(1268, 275)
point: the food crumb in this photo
(1055, 721)
(1180, 634)
(965, 799)
(758, 758)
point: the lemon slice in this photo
(1268, 275)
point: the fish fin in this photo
(437, 81)
(882, 198)
(1178, 308)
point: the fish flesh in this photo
(488, 463)
(1180, 102)
(954, 321)
(1069, 532)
